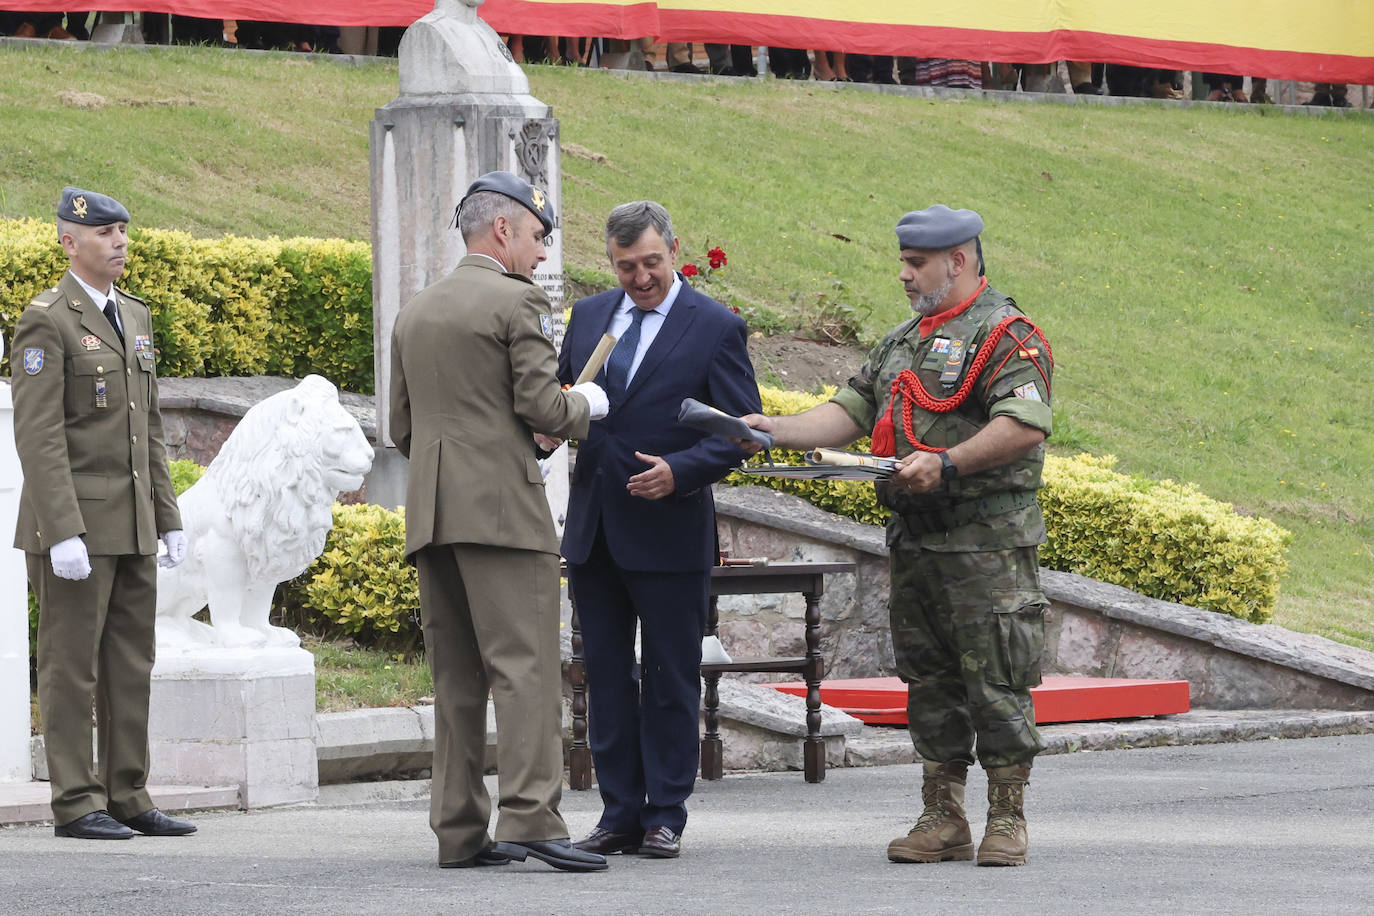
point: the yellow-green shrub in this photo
(184, 474)
(1161, 539)
(361, 584)
(226, 306)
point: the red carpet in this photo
(882, 700)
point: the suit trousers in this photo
(490, 617)
(643, 728)
(96, 642)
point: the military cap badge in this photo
(79, 207)
(537, 196)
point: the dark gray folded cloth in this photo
(706, 418)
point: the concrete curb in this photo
(884, 745)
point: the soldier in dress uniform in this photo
(961, 394)
(97, 498)
(473, 378)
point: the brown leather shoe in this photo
(607, 842)
(26, 30)
(57, 33)
(661, 843)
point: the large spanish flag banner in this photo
(1320, 40)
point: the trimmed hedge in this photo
(1162, 539)
(1158, 538)
(227, 306)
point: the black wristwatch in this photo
(947, 469)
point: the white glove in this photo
(70, 560)
(175, 542)
(596, 398)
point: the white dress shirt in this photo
(100, 299)
(648, 327)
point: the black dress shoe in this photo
(661, 843)
(487, 856)
(607, 842)
(561, 854)
(98, 825)
(154, 823)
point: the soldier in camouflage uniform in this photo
(961, 394)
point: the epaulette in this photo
(45, 298)
(128, 295)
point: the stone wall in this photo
(1092, 628)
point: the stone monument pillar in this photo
(15, 765)
(464, 110)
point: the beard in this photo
(926, 304)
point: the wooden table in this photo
(807, 579)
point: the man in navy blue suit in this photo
(640, 536)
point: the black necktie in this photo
(109, 311)
(623, 356)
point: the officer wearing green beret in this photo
(97, 497)
(960, 393)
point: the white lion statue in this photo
(259, 516)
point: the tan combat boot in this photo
(941, 834)
(1004, 840)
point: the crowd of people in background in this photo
(1078, 77)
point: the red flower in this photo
(689, 270)
(735, 309)
(717, 258)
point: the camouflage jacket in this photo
(990, 510)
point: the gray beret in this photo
(938, 227)
(515, 188)
(89, 208)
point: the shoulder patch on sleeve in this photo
(33, 360)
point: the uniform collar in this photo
(931, 322)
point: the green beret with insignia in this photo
(516, 188)
(89, 208)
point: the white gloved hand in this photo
(175, 542)
(595, 397)
(70, 560)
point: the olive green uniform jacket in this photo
(87, 426)
(473, 375)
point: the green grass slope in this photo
(1203, 273)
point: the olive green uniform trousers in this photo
(95, 640)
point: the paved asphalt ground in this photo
(1276, 826)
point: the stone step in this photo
(29, 802)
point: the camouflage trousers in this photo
(968, 630)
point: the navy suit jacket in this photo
(699, 353)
